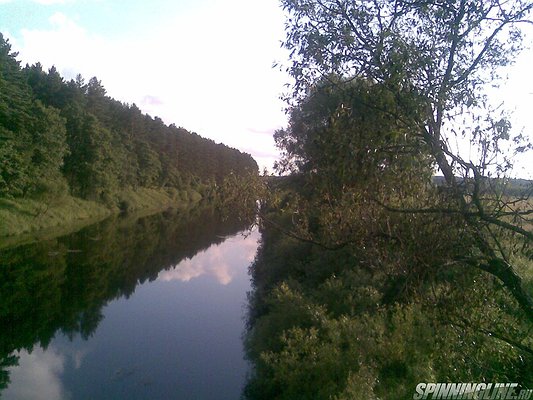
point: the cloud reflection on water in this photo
(221, 261)
(38, 376)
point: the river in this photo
(130, 308)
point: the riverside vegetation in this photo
(372, 275)
(69, 152)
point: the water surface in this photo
(129, 308)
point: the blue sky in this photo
(205, 65)
(110, 18)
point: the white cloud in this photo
(66, 45)
(209, 68)
(62, 21)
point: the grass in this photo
(27, 217)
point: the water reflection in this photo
(56, 294)
(219, 261)
(38, 376)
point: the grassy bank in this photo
(29, 216)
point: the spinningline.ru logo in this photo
(479, 391)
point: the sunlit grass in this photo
(524, 268)
(23, 216)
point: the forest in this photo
(67, 137)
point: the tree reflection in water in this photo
(61, 285)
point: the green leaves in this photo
(352, 132)
(52, 130)
(32, 144)
(425, 66)
(401, 271)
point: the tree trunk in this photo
(504, 272)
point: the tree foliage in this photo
(434, 60)
(386, 276)
(32, 135)
(346, 133)
(53, 130)
(352, 323)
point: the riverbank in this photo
(67, 213)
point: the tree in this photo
(435, 58)
(149, 165)
(96, 99)
(347, 132)
(48, 149)
(90, 166)
(15, 102)
(32, 136)
(49, 87)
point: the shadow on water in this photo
(61, 285)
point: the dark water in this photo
(148, 308)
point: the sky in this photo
(205, 65)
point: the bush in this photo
(55, 187)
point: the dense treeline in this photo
(59, 136)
